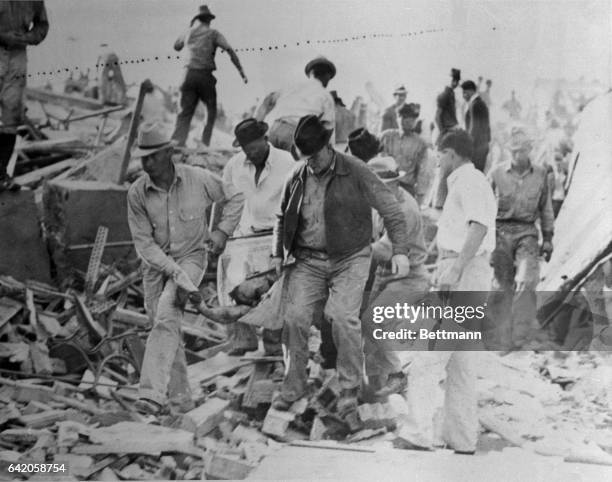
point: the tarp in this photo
(583, 229)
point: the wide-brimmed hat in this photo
(386, 169)
(249, 130)
(456, 74)
(321, 61)
(400, 90)
(311, 135)
(152, 137)
(363, 144)
(204, 12)
(519, 139)
(410, 110)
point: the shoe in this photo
(279, 403)
(396, 383)
(400, 443)
(148, 407)
(465, 452)
(240, 351)
(347, 402)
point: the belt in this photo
(301, 253)
(514, 221)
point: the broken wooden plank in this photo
(36, 176)
(208, 415)
(131, 317)
(22, 435)
(207, 370)
(43, 419)
(64, 100)
(39, 354)
(330, 445)
(8, 309)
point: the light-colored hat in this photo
(400, 90)
(152, 137)
(519, 139)
(386, 168)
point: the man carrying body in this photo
(465, 241)
(407, 147)
(446, 112)
(259, 173)
(477, 124)
(325, 222)
(523, 197)
(283, 109)
(389, 118)
(199, 82)
(21, 24)
(167, 218)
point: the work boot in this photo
(396, 383)
(347, 401)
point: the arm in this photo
(440, 107)
(142, 234)
(221, 42)
(180, 42)
(277, 239)
(266, 106)
(229, 197)
(547, 218)
(475, 235)
(40, 25)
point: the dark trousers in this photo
(199, 85)
(480, 157)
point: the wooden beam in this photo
(64, 100)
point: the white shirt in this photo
(261, 200)
(470, 198)
(304, 98)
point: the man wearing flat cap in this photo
(167, 218)
(258, 172)
(523, 197)
(325, 223)
(407, 147)
(363, 144)
(389, 118)
(199, 82)
(283, 109)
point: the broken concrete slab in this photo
(208, 415)
(277, 422)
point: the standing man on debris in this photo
(21, 24)
(523, 197)
(325, 222)
(259, 172)
(199, 82)
(167, 217)
(465, 241)
(446, 112)
(477, 123)
(389, 118)
(284, 109)
(407, 147)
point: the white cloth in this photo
(304, 98)
(261, 200)
(470, 198)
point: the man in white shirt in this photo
(466, 238)
(283, 109)
(259, 173)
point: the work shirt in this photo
(446, 103)
(25, 18)
(408, 150)
(202, 42)
(167, 226)
(311, 228)
(261, 199)
(522, 197)
(304, 98)
(469, 198)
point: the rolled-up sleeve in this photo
(473, 206)
(142, 234)
(227, 197)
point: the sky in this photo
(511, 42)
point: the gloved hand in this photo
(546, 250)
(218, 239)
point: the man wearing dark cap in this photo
(446, 114)
(283, 109)
(407, 147)
(389, 118)
(258, 172)
(199, 82)
(477, 124)
(325, 223)
(363, 144)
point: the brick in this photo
(227, 467)
(208, 415)
(277, 422)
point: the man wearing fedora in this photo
(259, 173)
(325, 223)
(283, 109)
(389, 118)
(383, 366)
(407, 147)
(523, 197)
(167, 218)
(199, 82)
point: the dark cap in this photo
(311, 135)
(363, 144)
(249, 130)
(321, 61)
(456, 74)
(204, 11)
(410, 110)
(468, 85)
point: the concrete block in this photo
(277, 422)
(208, 415)
(24, 254)
(73, 211)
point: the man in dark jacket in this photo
(325, 222)
(21, 24)
(477, 124)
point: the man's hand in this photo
(277, 264)
(184, 282)
(546, 250)
(400, 265)
(218, 240)
(450, 277)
